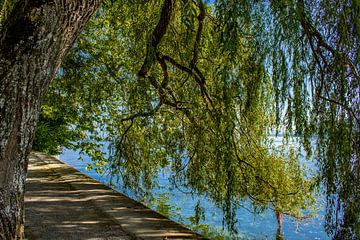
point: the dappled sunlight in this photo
(62, 203)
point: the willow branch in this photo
(142, 114)
(200, 19)
(126, 131)
(195, 73)
(349, 110)
(156, 37)
(310, 30)
(312, 33)
(164, 90)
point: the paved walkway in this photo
(62, 203)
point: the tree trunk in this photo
(279, 217)
(34, 39)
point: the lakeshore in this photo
(63, 203)
(250, 226)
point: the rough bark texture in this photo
(33, 41)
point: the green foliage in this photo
(161, 204)
(52, 131)
(196, 223)
(6, 7)
(208, 231)
(199, 88)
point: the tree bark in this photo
(34, 39)
(279, 217)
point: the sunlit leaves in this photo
(206, 106)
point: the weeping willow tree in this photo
(200, 86)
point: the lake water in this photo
(252, 226)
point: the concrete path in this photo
(62, 203)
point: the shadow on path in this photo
(62, 203)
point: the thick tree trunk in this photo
(34, 39)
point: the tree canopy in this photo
(200, 86)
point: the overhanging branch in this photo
(156, 36)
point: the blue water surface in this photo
(252, 226)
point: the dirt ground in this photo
(62, 203)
